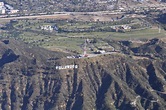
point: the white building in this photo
(5, 8)
(2, 11)
(2, 4)
(13, 11)
(49, 28)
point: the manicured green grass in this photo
(138, 34)
(72, 40)
(69, 43)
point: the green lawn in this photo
(71, 41)
(141, 34)
(73, 44)
(138, 34)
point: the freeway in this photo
(65, 15)
(122, 10)
(71, 15)
(83, 16)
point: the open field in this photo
(73, 41)
(71, 34)
(139, 34)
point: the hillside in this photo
(30, 79)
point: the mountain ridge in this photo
(113, 81)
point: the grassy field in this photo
(71, 41)
(138, 34)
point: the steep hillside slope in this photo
(36, 79)
(154, 47)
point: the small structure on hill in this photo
(49, 28)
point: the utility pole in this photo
(159, 29)
(85, 53)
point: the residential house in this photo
(2, 4)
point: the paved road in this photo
(93, 55)
(98, 13)
(37, 16)
(65, 15)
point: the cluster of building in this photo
(149, 0)
(121, 27)
(7, 9)
(49, 28)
